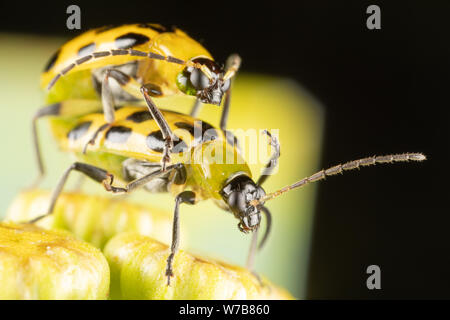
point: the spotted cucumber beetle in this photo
(132, 148)
(138, 57)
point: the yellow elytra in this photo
(77, 84)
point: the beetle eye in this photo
(237, 202)
(198, 79)
(226, 85)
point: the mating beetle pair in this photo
(134, 146)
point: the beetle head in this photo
(238, 194)
(207, 84)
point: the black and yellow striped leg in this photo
(102, 176)
(162, 124)
(183, 197)
(73, 107)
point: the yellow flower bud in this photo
(138, 266)
(41, 264)
(94, 219)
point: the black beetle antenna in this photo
(340, 168)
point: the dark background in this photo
(385, 91)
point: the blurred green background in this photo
(259, 102)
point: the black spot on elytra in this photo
(208, 132)
(77, 132)
(186, 126)
(130, 40)
(156, 27)
(51, 61)
(155, 142)
(140, 116)
(86, 50)
(118, 134)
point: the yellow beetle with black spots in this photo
(205, 165)
(140, 58)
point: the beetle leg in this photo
(108, 97)
(162, 124)
(251, 256)
(102, 176)
(225, 111)
(254, 246)
(232, 66)
(79, 183)
(127, 83)
(231, 138)
(252, 250)
(91, 141)
(273, 161)
(73, 107)
(145, 179)
(92, 172)
(183, 197)
(268, 217)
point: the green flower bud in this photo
(42, 264)
(94, 219)
(138, 266)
